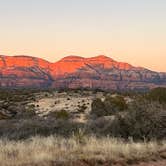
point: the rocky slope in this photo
(24, 71)
(76, 72)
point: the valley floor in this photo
(71, 128)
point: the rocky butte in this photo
(98, 72)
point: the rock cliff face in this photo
(76, 72)
(24, 71)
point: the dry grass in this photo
(45, 150)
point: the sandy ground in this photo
(63, 101)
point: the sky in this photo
(132, 31)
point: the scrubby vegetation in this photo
(158, 94)
(110, 106)
(25, 128)
(98, 108)
(142, 120)
(128, 118)
(62, 114)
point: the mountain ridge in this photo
(76, 72)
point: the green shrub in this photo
(63, 114)
(110, 106)
(143, 120)
(114, 104)
(157, 94)
(146, 120)
(98, 108)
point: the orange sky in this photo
(129, 31)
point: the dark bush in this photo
(98, 108)
(114, 104)
(63, 114)
(157, 94)
(110, 106)
(142, 120)
(145, 120)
